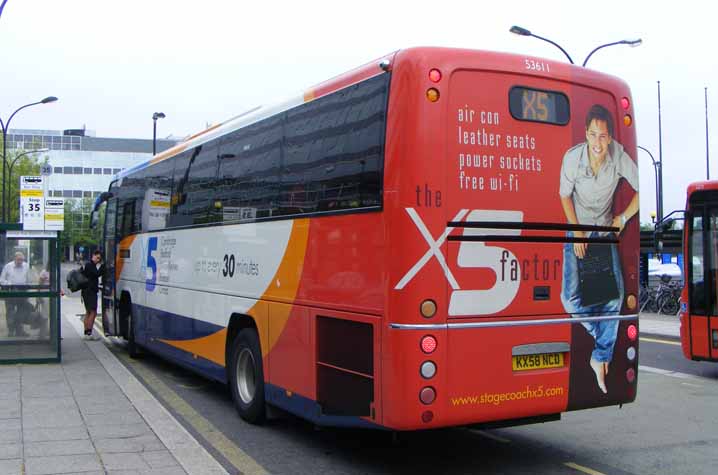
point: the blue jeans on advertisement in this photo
(604, 333)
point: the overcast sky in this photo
(114, 63)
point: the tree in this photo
(26, 165)
(77, 225)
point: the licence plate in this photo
(540, 361)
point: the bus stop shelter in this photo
(30, 294)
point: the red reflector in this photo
(625, 103)
(427, 416)
(435, 75)
(632, 332)
(427, 395)
(428, 344)
(630, 375)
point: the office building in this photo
(82, 164)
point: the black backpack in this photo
(76, 280)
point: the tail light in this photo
(435, 75)
(428, 344)
(432, 94)
(627, 120)
(632, 332)
(625, 103)
(427, 416)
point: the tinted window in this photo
(57, 170)
(77, 170)
(67, 170)
(107, 171)
(87, 171)
(154, 204)
(195, 176)
(334, 146)
(97, 171)
(249, 169)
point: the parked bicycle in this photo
(662, 299)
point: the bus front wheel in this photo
(246, 377)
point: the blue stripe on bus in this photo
(153, 325)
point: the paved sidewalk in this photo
(89, 415)
(659, 324)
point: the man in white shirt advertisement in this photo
(15, 273)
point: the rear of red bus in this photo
(699, 311)
(476, 329)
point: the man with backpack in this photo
(92, 270)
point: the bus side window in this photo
(697, 266)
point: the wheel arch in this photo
(237, 323)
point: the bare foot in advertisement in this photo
(600, 369)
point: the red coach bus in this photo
(440, 237)
(699, 312)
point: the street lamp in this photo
(155, 116)
(659, 184)
(524, 32)
(5, 127)
(517, 30)
(631, 43)
(12, 164)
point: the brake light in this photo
(625, 103)
(632, 332)
(427, 416)
(435, 75)
(428, 344)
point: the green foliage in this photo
(77, 225)
(647, 227)
(18, 164)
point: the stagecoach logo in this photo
(471, 255)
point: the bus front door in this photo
(109, 313)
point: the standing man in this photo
(93, 271)
(16, 272)
(590, 174)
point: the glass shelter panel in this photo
(29, 290)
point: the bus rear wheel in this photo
(246, 377)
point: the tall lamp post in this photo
(12, 164)
(5, 128)
(659, 184)
(524, 32)
(155, 116)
